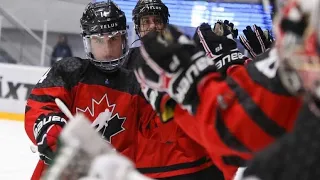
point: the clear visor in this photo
(108, 46)
(107, 50)
(151, 22)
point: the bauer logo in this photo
(228, 58)
(45, 122)
(190, 75)
(14, 90)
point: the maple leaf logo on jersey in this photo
(106, 122)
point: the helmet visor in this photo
(107, 49)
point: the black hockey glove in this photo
(226, 29)
(46, 131)
(173, 64)
(255, 40)
(224, 50)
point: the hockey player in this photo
(213, 43)
(153, 159)
(233, 117)
(220, 151)
(147, 16)
(98, 87)
(254, 40)
(296, 155)
(120, 163)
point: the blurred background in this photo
(31, 29)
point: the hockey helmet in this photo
(101, 23)
(149, 7)
(297, 28)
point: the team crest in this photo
(106, 122)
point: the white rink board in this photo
(16, 81)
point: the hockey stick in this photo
(64, 109)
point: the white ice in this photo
(17, 162)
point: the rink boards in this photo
(16, 82)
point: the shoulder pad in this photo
(71, 64)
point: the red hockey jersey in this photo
(184, 158)
(113, 103)
(241, 115)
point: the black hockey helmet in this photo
(100, 19)
(149, 7)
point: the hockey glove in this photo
(161, 102)
(223, 50)
(174, 65)
(226, 29)
(255, 40)
(46, 131)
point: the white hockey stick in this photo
(64, 108)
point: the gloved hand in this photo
(255, 40)
(173, 64)
(46, 131)
(226, 29)
(218, 46)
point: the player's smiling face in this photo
(150, 23)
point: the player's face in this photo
(106, 47)
(150, 23)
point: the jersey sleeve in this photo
(41, 109)
(244, 113)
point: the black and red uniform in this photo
(113, 103)
(241, 115)
(161, 162)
